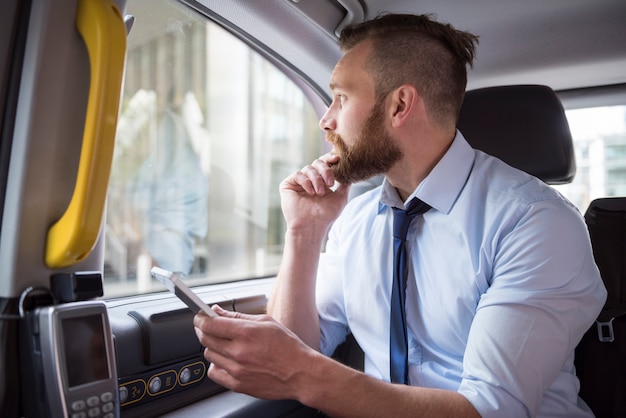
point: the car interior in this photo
(162, 140)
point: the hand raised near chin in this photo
(311, 197)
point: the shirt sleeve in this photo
(544, 294)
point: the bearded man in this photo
(466, 282)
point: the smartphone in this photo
(175, 284)
(69, 367)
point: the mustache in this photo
(337, 141)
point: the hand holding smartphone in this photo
(175, 284)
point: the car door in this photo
(209, 121)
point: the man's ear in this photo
(404, 101)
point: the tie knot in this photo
(402, 218)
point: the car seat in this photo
(601, 355)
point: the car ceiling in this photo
(565, 44)
(562, 43)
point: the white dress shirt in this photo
(502, 285)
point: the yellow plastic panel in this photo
(72, 237)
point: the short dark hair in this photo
(418, 50)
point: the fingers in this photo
(316, 178)
(237, 315)
(222, 370)
(216, 342)
(220, 375)
(225, 344)
(215, 327)
(322, 165)
(226, 327)
(256, 356)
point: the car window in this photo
(208, 128)
(599, 135)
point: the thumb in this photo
(230, 314)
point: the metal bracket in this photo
(605, 331)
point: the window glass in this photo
(599, 135)
(208, 129)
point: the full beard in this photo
(372, 153)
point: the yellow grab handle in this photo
(72, 237)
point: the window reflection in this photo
(208, 129)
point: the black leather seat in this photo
(523, 125)
(601, 355)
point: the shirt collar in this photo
(443, 184)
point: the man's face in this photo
(355, 121)
(371, 153)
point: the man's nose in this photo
(327, 122)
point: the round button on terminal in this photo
(123, 394)
(185, 375)
(155, 385)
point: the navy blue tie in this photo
(398, 355)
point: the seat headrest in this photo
(523, 125)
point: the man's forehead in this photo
(350, 71)
(340, 78)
